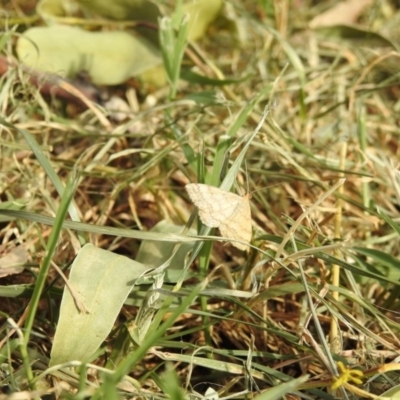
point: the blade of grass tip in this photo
(178, 13)
(180, 45)
(227, 138)
(221, 159)
(45, 267)
(223, 144)
(166, 36)
(173, 45)
(234, 170)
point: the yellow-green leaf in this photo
(109, 58)
(100, 282)
(201, 14)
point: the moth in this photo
(224, 210)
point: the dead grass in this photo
(320, 285)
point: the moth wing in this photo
(215, 205)
(238, 225)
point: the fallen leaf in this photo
(12, 262)
(109, 58)
(345, 12)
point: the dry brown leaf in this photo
(345, 12)
(12, 262)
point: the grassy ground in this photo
(308, 125)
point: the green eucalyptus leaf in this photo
(110, 58)
(101, 281)
(201, 13)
